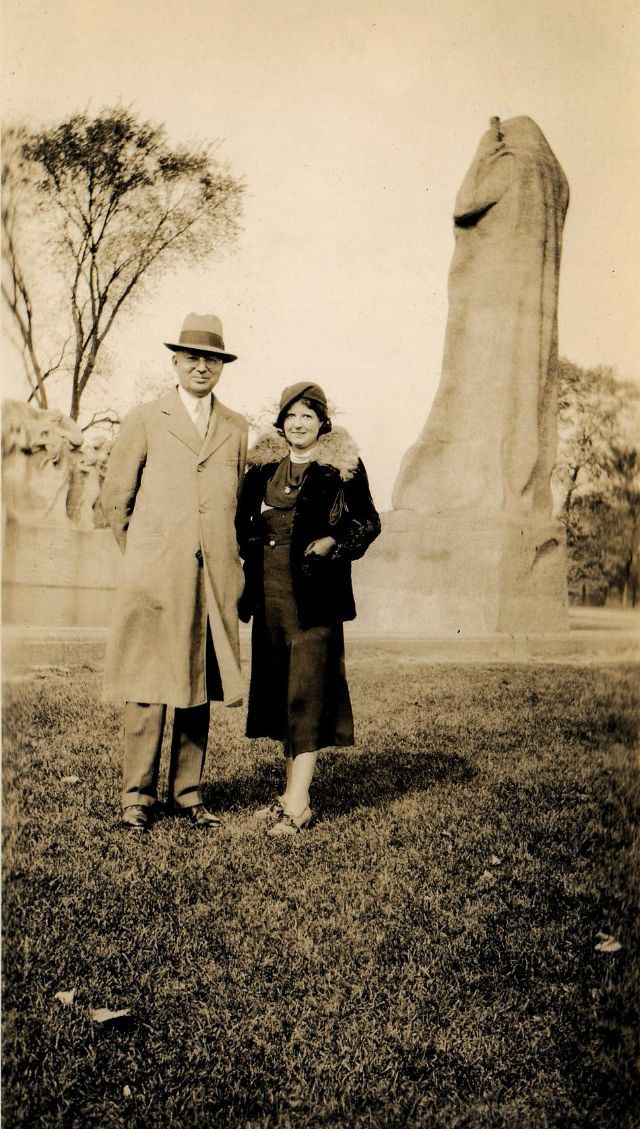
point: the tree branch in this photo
(106, 418)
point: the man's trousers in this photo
(143, 731)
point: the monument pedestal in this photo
(452, 575)
(58, 576)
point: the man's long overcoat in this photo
(170, 498)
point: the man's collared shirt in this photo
(192, 403)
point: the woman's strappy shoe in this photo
(271, 811)
(291, 824)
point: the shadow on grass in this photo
(347, 778)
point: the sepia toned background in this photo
(455, 940)
(352, 125)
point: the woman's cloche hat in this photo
(201, 333)
(303, 389)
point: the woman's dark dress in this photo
(300, 672)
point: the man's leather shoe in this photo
(136, 818)
(200, 817)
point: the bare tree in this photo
(19, 199)
(119, 206)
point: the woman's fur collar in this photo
(335, 449)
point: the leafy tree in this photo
(595, 408)
(598, 478)
(108, 204)
(622, 562)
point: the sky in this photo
(352, 123)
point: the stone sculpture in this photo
(37, 458)
(490, 440)
(471, 548)
(51, 472)
(83, 502)
(59, 566)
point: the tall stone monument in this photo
(471, 546)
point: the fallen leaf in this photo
(487, 876)
(608, 944)
(65, 998)
(105, 1015)
(495, 861)
(69, 779)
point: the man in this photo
(170, 496)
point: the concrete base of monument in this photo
(594, 635)
(462, 577)
(425, 592)
(58, 576)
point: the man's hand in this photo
(320, 548)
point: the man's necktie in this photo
(202, 410)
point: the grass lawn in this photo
(424, 956)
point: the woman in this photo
(305, 513)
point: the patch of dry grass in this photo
(425, 956)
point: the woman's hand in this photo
(320, 548)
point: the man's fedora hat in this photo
(201, 334)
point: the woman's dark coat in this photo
(333, 501)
